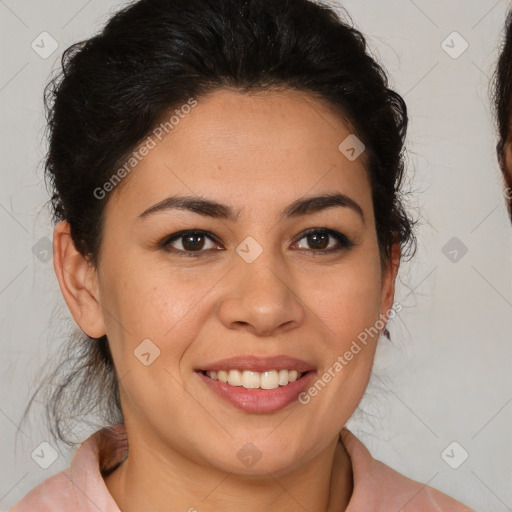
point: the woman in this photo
(227, 180)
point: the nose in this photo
(260, 298)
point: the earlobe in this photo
(388, 279)
(78, 282)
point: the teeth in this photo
(235, 377)
(250, 380)
(293, 375)
(270, 379)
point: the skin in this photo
(184, 440)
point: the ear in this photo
(389, 273)
(78, 282)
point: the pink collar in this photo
(81, 487)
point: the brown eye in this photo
(189, 242)
(318, 240)
(193, 242)
(321, 241)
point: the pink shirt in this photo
(81, 488)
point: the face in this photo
(265, 283)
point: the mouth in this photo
(257, 385)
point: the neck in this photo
(147, 480)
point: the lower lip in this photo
(259, 400)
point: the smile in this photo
(255, 383)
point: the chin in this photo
(257, 458)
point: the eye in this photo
(318, 238)
(189, 242)
(194, 243)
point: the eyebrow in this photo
(210, 208)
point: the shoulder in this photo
(80, 487)
(47, 496)
(378, 487)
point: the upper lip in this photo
(258, 364)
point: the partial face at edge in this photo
(256, 154)
(508, 176)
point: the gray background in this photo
(446, 375)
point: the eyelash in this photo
(343, 241)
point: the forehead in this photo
(243, 148)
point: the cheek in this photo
(348, 309)
(146, 303)
(347, 300)
(157, 320)
(150, 298)
(169, 307)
